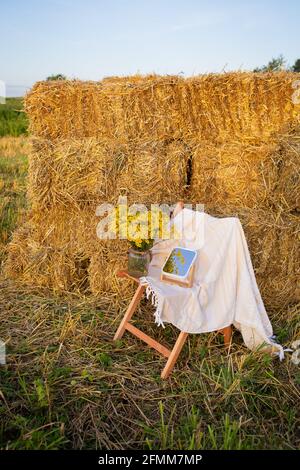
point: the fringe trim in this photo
(281, 349)
(156, 300)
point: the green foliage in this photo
(13, 120)
(193, 434)
(276, 64)
(296, 66)
(58, 76)
(104, 359)
(41, 393)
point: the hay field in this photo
(13, 172)
(67, 384)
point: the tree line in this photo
(276, 64)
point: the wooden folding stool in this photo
(171, 355)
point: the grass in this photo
(13, 120)
(66, 384)
(13, 172)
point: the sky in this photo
(92, 39)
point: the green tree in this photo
(296, 66)
(58, 76)
(274, 65)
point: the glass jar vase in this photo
(138, 262)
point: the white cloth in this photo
(224, 290)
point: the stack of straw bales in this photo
(229, 141)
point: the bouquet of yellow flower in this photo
(140, 227)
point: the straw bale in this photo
(274, 243)
(276, 257)
(71, 173)
(248, 174)
(81, 172)
(42, 265)
(287, 190)
(229, 141)
(243, 105)
(211, 107)
(83, 267)
(70, 231)
(242, 174)
(155, 172)
(104, 265)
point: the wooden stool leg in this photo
(130, 311)
(174, 355)
(227, 333)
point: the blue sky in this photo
(90, 39)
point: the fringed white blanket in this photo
(224, 290)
